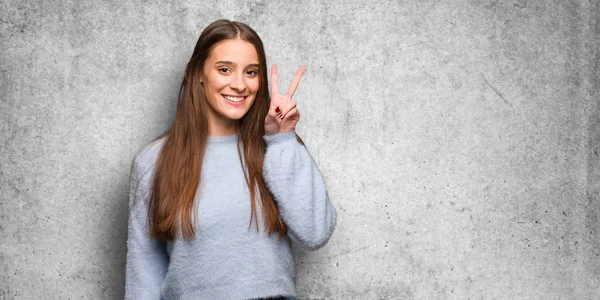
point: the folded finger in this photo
(275, 112)
(288, 107)
(292, 112)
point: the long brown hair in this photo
(178, 168)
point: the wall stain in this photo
(497, 91)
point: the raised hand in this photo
(283, 114)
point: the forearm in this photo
(299, 189)
(147, 260)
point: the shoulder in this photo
(145, 157)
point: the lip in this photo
(234, 103)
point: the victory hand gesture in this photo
(283, 114)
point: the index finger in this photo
(295, 81)
(274, 83)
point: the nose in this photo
(238, 82)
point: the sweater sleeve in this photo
(147, 259)
(299, 189)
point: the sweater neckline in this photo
(222, 139)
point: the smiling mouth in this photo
(234, 98)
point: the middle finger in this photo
(295, 81)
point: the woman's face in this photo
(230, 82)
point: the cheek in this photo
(218, 83)
(253, 85)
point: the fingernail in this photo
(277, 109)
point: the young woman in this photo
(217, 199)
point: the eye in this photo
(252, 73)
(223, 69)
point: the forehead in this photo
(234, 50)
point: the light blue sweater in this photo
(228, 260)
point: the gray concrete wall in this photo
(459, 140)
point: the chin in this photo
(237, 115)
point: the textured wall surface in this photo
(459, 140)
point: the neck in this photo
(219, 126)
(221, 130)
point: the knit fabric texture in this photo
(227, 259)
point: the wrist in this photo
(277, 132)
(279, 137)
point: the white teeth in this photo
(234, 99)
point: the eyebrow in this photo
(232, 63)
